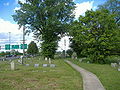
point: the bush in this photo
(112, 59)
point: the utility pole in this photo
(9, 42)
(65, 46)
(23, 41)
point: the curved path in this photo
(90, 80)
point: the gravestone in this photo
(45, 58)
(119, 63)
(45, 65)
(12, 65)
(27, 65)
(118, 69)
(113, 64)
(52, 65)
(49, 60)
(36, 65)
(3, 59)
(21, 59)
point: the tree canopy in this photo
(94, 34)
(32, 48)
(46, 19)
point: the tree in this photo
(47, 19)
(32, 48)
(114, 7)
(94, 33)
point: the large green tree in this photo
(113, 6)
(94, 34)
(47, 19)
(32, 48)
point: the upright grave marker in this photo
(12, 65)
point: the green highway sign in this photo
(7, 47)
(23, 46)
(15, 46)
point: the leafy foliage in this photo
(46, 18)
(32, 48)
(94, 34)
(69, 52)
(114, 7)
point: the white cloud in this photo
(23, 1)
(6, 4)
(81, 8)
(15, 35)
(16, 8)
(6, 26)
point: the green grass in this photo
(108, 75)
(62, 77)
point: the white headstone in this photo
(12, 65)
(119, 63)
(3, 59)
(36, 65)
(118, 69)
(49, 60)
(113, 64)
(21, 59)
(44, 65)
(46, 59)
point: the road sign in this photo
(7, 47)
(15, 46)
(23, 46)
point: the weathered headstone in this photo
(3, 59)
(21, 59)
(49, 60)
(52, 65)
(118, 69)
(12, 65)
(113, 64)
(45, 65)
(45, 58)
(36, 65)
(119, 63)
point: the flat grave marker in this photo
(52, 65)
(36, 65)
(45, 65)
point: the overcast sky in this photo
(7, 24)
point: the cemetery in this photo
(60, 45)
(38, 74)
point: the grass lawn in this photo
(62, 77)
(108, 75)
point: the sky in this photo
(9, 28)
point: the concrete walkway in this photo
(90, 81)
